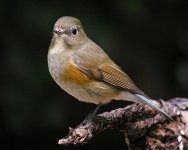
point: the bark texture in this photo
(142, 126)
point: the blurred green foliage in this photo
(148, 39)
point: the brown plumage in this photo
(84, 70)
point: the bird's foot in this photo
(90, 116)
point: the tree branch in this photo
(142, 126)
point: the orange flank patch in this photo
(73, 74)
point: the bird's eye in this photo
(74, 31)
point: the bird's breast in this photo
(72, 80)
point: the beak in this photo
(59, 31)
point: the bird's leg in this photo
(90, 116)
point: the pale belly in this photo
(93, 92)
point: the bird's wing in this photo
(113, 75)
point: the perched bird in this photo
(85, 71)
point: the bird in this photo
(83, 69)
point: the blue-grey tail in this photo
(151, 104)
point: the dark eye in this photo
(74, 31)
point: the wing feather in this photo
(112, 75)
(116, 77)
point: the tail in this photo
(151, 104)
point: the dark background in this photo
(148, 39)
